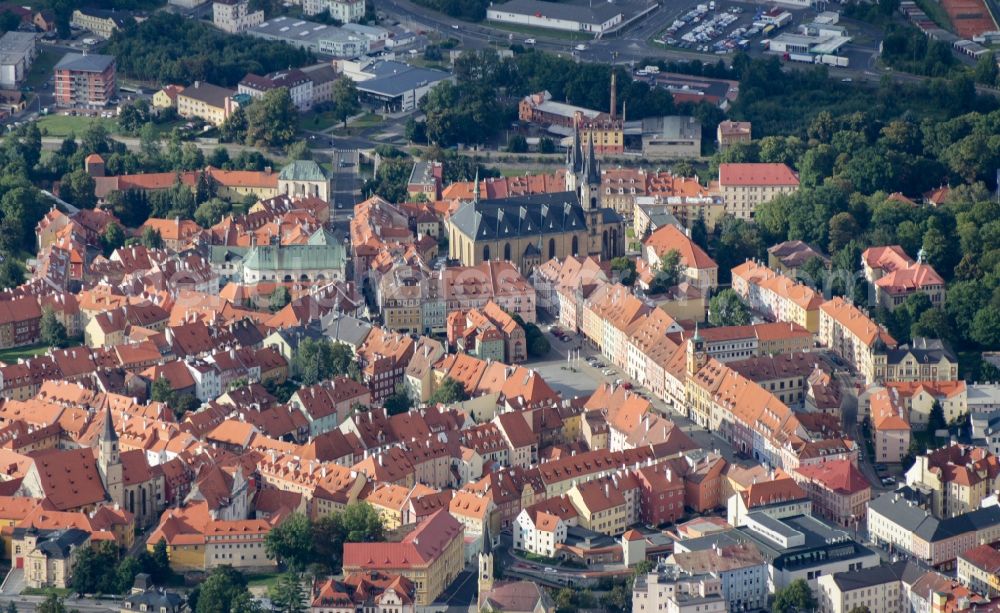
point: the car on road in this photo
(529, 41)
(888, 481)
(454, 26)
(549, 569)
(581, 47)
(607, 372)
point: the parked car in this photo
(549, 569)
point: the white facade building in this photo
(539, 535)
(17, 51)
(234, 16)
(596, 19)
(344, 11)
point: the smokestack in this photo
(614, 95)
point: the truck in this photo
(832, 60)
(767, 30)
(799, 57)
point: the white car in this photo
(581, 47)
(549, 569)
(529, 41)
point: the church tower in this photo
(574, 159)
(590, 179)
(696, 355)
(109, 461)
(486, 565)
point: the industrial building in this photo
(390, 86)
(318, 38)
(596, 19)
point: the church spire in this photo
(108, 434)
(475, 187)
(576, 153)
(593, 175)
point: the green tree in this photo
(113, 238)
(669, 273)
(843, 228)
(398, 402)
(279, 298)
(986, 327)
(287, 594)
(935, 420)
(52, 604)
(313, 362)
(53, 332)
(272, 119)
(625, 267)
(161, 391)
(206, 187)
(986, 70)
(125, 574)
(159, 563)
(359, 522)
(211, 212)
(291, 542)
(345, 99)
(151, 238)
(77, 188)
(11, 273)
(932, 323)
(341, 359)
(221, 591)
(726, 309)
(91, 572)
(450, 391)
(860, 608)
(546, 145)
(796, 596)
(134, 116)
(517, 144)
(538, 346)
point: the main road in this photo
(627, 46)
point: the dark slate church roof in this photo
(532, 215)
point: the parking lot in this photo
(713, 27)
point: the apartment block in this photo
(85, 80)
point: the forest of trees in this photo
(169, 48)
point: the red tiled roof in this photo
(840, 476)
(419, 549)
(756, 174)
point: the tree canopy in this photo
(170, 48)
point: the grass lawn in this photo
(63, 125)
(11, 355)
(264, 580)
(41, 68)
(364, 122)
(530, 31)
(61, 592)
(318, 122)
(368, 120)
(520, 171)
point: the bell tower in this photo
(696, 355)
(486, 565)
(109, 461)
(590, 179)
